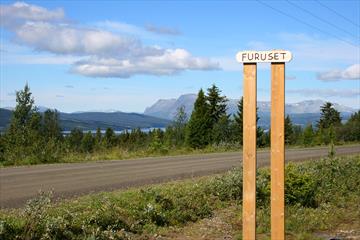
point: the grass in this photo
(321, 196)
(118, 153)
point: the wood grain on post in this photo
(249, 152)
(277, 151)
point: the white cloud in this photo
(103, 53)
(171, 62)
(350, 73)
(120, 27)
(310, 52)
(162, 30)
(313, 92)
(65, 39)
(19, 12)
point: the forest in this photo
(33, 137)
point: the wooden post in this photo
(277, 59)
(277, 151)
(249, 152)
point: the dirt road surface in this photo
(18, 184)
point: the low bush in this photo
(311, 190)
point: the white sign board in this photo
(263, 56)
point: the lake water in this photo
(146, 130)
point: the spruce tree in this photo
(329, 116)
(179, 125)
(75, 139)
(98, 136)
(238, 128)
(350, 131)
(87, 142)
(51, 125)
(217, 104)
(221, 132)
(198, 129)
(109, 137)
(238, 117)
(217, 111)
(289, 131)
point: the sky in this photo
(125, 55)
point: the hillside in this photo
(92, 120)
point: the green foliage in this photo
(51, 125)
(109, 138)
(308, 136)
(216, 104)
(175, 133)
(238, 123)
(313, 190)
(221, 131)
(28, 140)
(34, 138)
(300, 186)
(350, 131)
(88, 142)
(289, 131)
(329, 116)
(262, 138)
(157, 144)
(74, 139)
(197, 129)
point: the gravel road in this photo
(18, 184)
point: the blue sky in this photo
(101, 55)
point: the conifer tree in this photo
(75, 139)
(217, 111)
(289, 131)
(197, 129)
(88, 142)
(238, 117)
(98, 136)
(221, 130)
(109, 137)
(23, 137)
(179, 125)
(261, 136)
(51, 126)
(217, 104)
(329, 116)
(350, 131)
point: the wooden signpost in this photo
(277, 58)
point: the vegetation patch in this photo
(36, 138)
(319, 196)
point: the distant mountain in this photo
(167, 108)
(301, 113)
(92, 120)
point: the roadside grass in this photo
(321, 196)
(118, 153)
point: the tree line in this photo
(33, 137)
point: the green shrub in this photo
(312, 190)
(300, 186)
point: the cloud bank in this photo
(105, 54)
(315, 92)
(350, 73)
(162, 30)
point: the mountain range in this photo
(301, 113)
(92, 120)
(162, 112)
